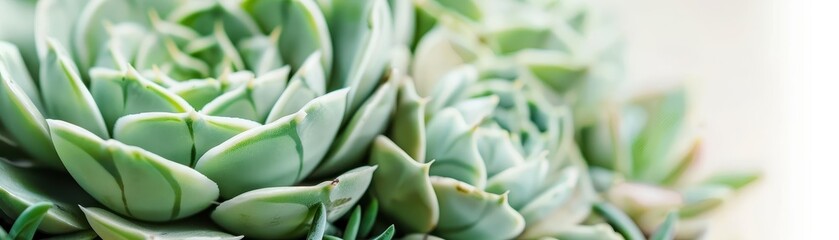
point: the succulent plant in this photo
(640, 154)
(280, 119)
(156, 111)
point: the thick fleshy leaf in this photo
(198, 92)
(434, 58)
(465, 9)
(408, 126)
(22, 187)
(619, 220)
(203, 14)
(403, 187)
(353, 223)
(638, 198)
(666, 123)
(123, 93)
(252, 101)
(552, 69)
(452, 144)
(387, 234)
(89, 31)
(56, 19)
(356, 136)
(261, 54)
(451, 89)
(522, 182)
(594, 232)
(27, 223)
(281, 153)
(23, 121)
(403, 22)
(319, 223)
(130, 180)
(368, 219)
(469, 213)
(188, 135)
(306, 84)
(667, 229)
(476, 110)
(513, 39)
(363, 36)
(557, 193)
(304, 29)
(123, 41)
(701, 199)
(111, 226)
(11, 59)
(286, 212)
(65, 95)
(733, 180)
(497, 150)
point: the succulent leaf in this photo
(21, 188)
(285, 212)
(189, 135)
(619, 220)
(667, 229)
(112, 226)
(123, 93)
(356, 136)
(28, 221)
(22, 119)
(65, 95)
(252, 101)
(469, 213)
(130, 180)
(403, 187)
(287, 150)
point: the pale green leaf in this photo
(359, 132)
(287, 211)
(123, 93)
(130, 180)
(407, 129)
(318, 223)
(252, 101)
(667, 229)
(469, 213)
(453, 145)
(112, 226)
(65, 95)
(22, 187)
(403, 188)
(286, 150)
(23, 121)
(619, 220)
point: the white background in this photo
(765, 77)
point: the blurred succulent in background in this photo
(225, 119)
(639, 155)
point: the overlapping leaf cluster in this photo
(272, 119)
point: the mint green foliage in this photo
(272, 119)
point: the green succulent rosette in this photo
(336, 119)
(483, 158)
(641, 154)
(210, 118)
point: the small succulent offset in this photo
(288, 119)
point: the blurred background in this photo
(764, 76)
